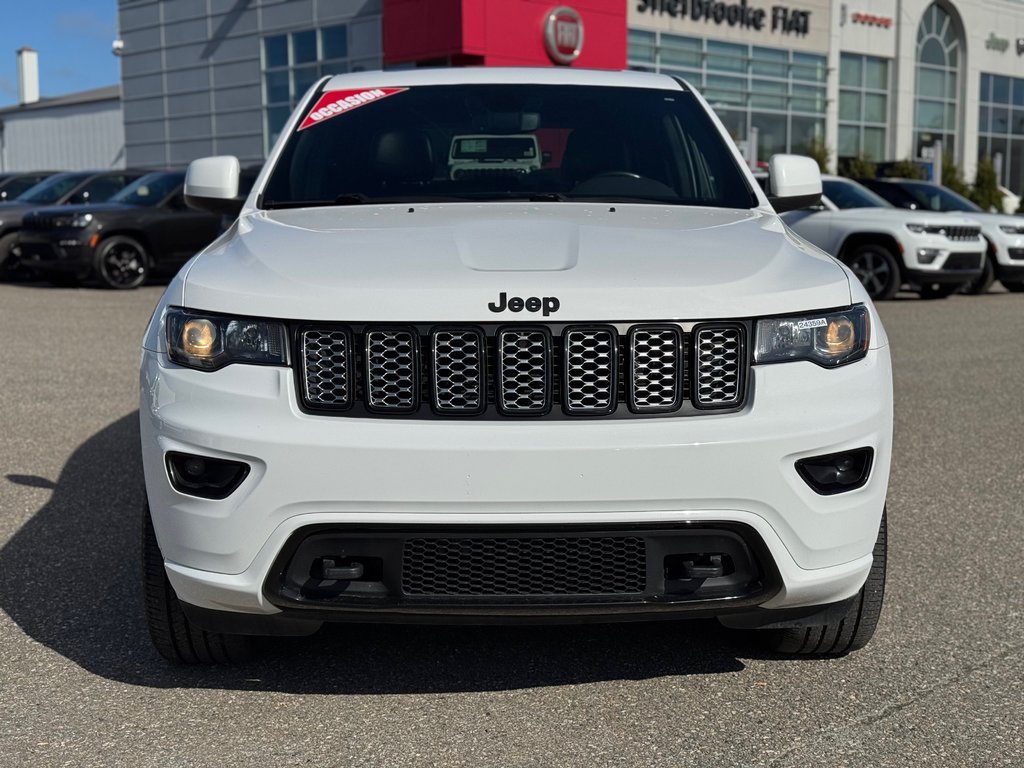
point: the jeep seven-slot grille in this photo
(523, 371)
(962, 233)
(585, 565)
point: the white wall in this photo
(65, 138)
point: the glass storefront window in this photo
(334, 42)
(851, 70)
(863, 106)
(876, 73)
(779, 91)
(678, 51)
(295, 61)
(275, 51)
(938, 79)
(1001, 126)
(874, 142)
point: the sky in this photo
(73, 38)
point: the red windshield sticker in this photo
(334, 103)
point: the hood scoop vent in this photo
(534, 246)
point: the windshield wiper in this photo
(351, 198)
(547, 197)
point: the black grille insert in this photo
(524, 566)
(621, 370)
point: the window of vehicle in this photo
(932, 197)
(54, 188)
(149, 189)
(512, 142)
(848, 194)
(100, 189)
(18, 185)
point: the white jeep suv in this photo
(612, 387)
(934, 254)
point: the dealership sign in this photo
(563, 35)
(781, 18)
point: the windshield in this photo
(18, 185)
(932, 197)
(507, 142)
(850, 194)
(149, 189)
(54, 188)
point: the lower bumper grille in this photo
(335, 570)
(963, 261)
(524, 566)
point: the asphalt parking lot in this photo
(941, 684)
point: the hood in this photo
(74, 210)
(448, 262)
(903, 216)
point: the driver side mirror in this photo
(211, 184)
(794, 182)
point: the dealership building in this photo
(883, 78)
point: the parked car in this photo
(887, 247)
(144, 229)
(611, 387)
(14, 184)
(58, 189)
(1003, 233)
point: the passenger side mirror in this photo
(211, 184)
(794, 182)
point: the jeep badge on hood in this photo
(548, 304)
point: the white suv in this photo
(614, 387)
(934, 254)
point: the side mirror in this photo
(211, 184)
(795, 182)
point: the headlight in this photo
(830, 340)
(1012, 229)
(931, 229)
(81, 220)
(207, 342)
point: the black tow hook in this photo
(708, 567)
(331, 570)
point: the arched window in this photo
(939, 52)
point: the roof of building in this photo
(106, 93)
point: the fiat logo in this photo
(563, 35)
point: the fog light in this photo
(836, 472)
(203, 476)
(928, 255)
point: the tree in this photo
(952, 176)
(906, 169)
(816, 150)
(859, 167)
(985, 191)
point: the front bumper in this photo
(56, 251)
(714, 470)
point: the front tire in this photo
(10, 267)
(876, 268)
(173, 635)
(121, 263)
(850, 633)
(982, 282)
